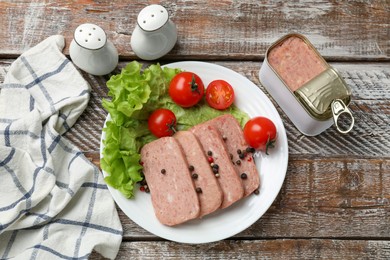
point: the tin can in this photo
(311, 93)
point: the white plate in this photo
(230, 221)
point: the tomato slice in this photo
(219, 94)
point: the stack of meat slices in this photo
(196, 172)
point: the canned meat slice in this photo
(166, 171)
(215, 149)
(209, 192)
(241, 153)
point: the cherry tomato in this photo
(219, 94)
(162, 122)
(186, 89)
(260, 133)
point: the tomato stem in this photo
(171, 126)
(269, 144)
(194, 86)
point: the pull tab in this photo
(338, 108)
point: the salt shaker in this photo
(91, 51)
(155, 34)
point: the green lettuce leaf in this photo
(135, 94)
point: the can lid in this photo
(152, 17)
(90, 36)
(318, 94)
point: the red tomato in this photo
(219, 94)
(162, 122)
(186, 89)
(260, 133)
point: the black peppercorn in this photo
(191, 168)
(198, 190)
(238, 162)
(242, 156)
(239, 151)
(244, 176)
(163, 171)
(209, 153)
(256, 191)
(194, 176)
(215, 170)
(250, 149)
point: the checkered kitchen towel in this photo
(53, 201)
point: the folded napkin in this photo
(53, 201)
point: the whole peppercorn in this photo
(244, 176)
(191, 168)
(198, 190)
(163, 171)
(242, 156)
(194, 176)
(250, 149)
(209, 153)
(238, 162)
(256, 191)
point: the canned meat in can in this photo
(306, 87)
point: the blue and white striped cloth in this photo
(53, 201)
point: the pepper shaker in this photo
(91, 51)
(155, 34)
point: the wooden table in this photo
(335, 201)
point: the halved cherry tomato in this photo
(186, 89)
(162, 122)
(260, 133)
(219, 94)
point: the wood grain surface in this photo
(209, 30)
(263, 249)
(335, 200)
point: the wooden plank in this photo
(370, 106)
(212, 30)
(321, 197)
(261, 249)
(324, 193)
(331, 197)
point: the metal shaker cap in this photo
(152, 17)
(90, 36)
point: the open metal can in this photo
(311, 93)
